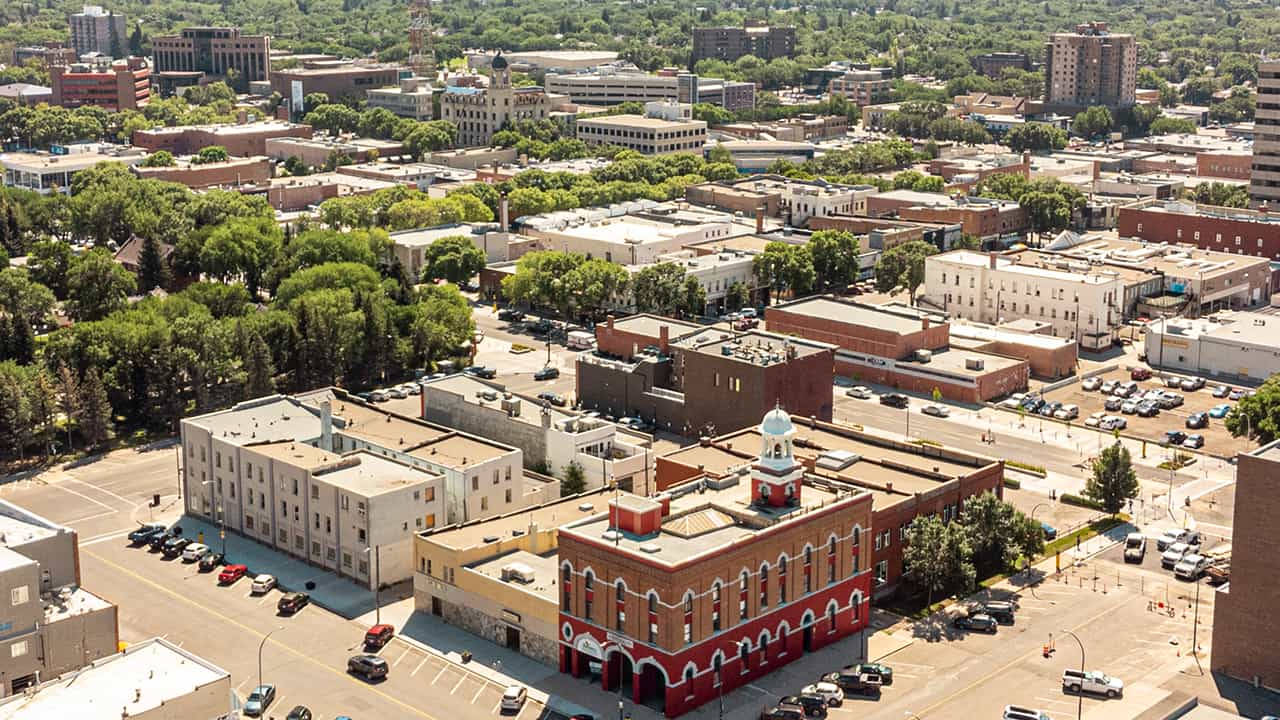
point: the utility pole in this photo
(1079, 695)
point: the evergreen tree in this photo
(95, 410)
(259, 372)
(574, 481)
(136, 40)
(15, 417)
(152, 270)
(68, 399)
(116, 45)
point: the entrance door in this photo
(808, 638)
(436, 608)
(513, 639)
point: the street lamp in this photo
(1079, 695)
(262, 645)
(377, 580)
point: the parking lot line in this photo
(497, 707)
(415, 670)
(436, 679)
(460, 681)
(476, 697)
(397, 662)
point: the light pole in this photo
(1080, 694)
(377, 580)
(262, 645)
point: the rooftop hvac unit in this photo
(511, 406)
(974, 364)
(517, 572)
(924, 356)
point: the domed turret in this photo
(777, 422)
(499, 62)
(777, 476)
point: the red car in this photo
(1139, 373)
(231, 573)
(378, 636)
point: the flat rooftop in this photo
(756, 347)
(459, 451)
(354, 418)
(422, 237)
(468, 389)
(544, 569)
(639, 121)
(140, 680)
(852, 314)
(269, 419)
(1010, 265)
(19, 527)
(1176, 260)
(367, 474)
(710, 520)
(71, 602)
(650, 326)
(226, 128)
(752, 244)
(549, 515)
(955, 361)
(992, 333)
(1244, 328)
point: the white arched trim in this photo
(832, 606)
(650, 661)
(784, 629)
(781, 557)
(807, 619)
(687, 668)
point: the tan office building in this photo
(646, 135)
(1091, 66)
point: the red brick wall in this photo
(200, 176)
(981, 222)
(1236, 166)
(859, 338)
(1163, 227)
(238, 144)
(989, 385)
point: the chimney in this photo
(991, 260)
(760, 220)
(610, 321)
(242, 117)
(504, 213)
(924, 323)
(326, 426)
(532, 534)
(664, 338)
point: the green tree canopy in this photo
(1114, 481)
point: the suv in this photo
(481, 371)
(855, 683)
(143, 535)
(894, 400)
(999, 610)
(291, 603)
(1191, 567)
(978, 623)
(1174, 437)
(1139, 373)
(779, 712)
(513, 698)
(173, 547)
(378, 636)
(299, 712)
(370, 667)
(812, 705)
(1174, 555)
(1135, 547)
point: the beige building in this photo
(480, 112)
(646, 135)
(862, 87)
(410, 99)
(51, 625)
(95, 30)
(496, 578)
(1264, 185)
(1091, 66)
(45, 173)
(327, 478)
(150, 680)
(637, 238)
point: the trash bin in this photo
(155, 500)
(466, 656)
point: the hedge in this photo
(1079, 501)
(1026, 466)
(1014, 483)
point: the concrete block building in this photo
(1091, 66)
(731, 43)
(212, 52)
(95, 30)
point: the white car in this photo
(194, 552)
(396, 393)
(936, 410)
(1017, 712)
(825, 690)
(1090, 384)
(263, 583)
(1067, 412)
(1113, 403)
(513, 698)
(1174, 555)
(1110, 386)
(861, 392)
(1095, 419)
(1129, 407)
(412, 388)
(1113, 422)
(1013, 402)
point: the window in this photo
(808, 570)
(566, 585)
(782, 580)
(363, 567)
(496, 477)
(831, 618)
(744, 654)
(360, 534)
(315, 492)
(328, 524)
(620, 606)
(508, 496)
(315, 548)
(653, 619)
(19, 595)
(484, 504)
(764, 586)
(742, 596)
(428, 566)
(18, 649)
(831, 561)
(317, 521)
(429, 494)
(431, 520)
(716, 665)
(882, 571)
(856, 608)
(475, 482)
(688, 619)
(764, 648)
(715, 607)
(588, 594)
(248, 522)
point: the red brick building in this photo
(235, 172)
(717, 582)
(980, 217)
(242, 139)
(1245, 232)
(899, 347)
(1233, 165)
(905, 480)
(1244, 611)
(120, 85)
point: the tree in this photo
(1169, 126)
(159, 158)
(596, 283)
(332, 118)
(153, 271)
(783, 266)
(938, 556)
(15, 411)
(68, 387)
(1034, 137)
(1221, 194)
(737, 296)
(658, 288)
(967, 242)
(210, 154)
(693, 298)
(1113, 481)
(903, 266)
(454, 258)
(97, 286)
(574, 480)
(1198, 90)
(242, 248)
(998, 532)
(1258, 415)
(1092, 122)
(94, 419)
(835, 257)
(259, 370)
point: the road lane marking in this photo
(100, 504)
(476, 697)
(104, 491)
(278, 644)
(415, 670)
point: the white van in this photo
(581, 340)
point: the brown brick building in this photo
(338, 80)
(115, 86)
(214, 51)
(1233, 165)
(243, 139)
(1244, 232)
(905, 480)
(731, 43)
(1244, 613)
(235, 172)
(980, 217)
(1091, 66)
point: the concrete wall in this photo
(57, 556)
(616, 391)
(73, 642)
(450, 410)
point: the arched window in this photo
(744, 654)
(831, 616)
(764, 586)
(777, 450)
(715, 607)
(782, 580)
(688, 676)
(742, 595)
(688, 618)
(831, 560)
(588, 593)
(764, 647)
(653, 618)
(854, 551)
(566, 585)
(716, 665)
(620, 605)
(855, 604)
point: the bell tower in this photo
(776, 476)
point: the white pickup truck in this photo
(1094, 682)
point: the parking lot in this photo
(1218, 441)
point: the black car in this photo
(143, 535)
(781, 712)
(481, 371)
(212, 561)
(299, 712)
(370, 667)
(553, 398)
(174, 546)
(510, 314)
(1174, 437)
(539, 327)
(157, 541)
(547, 373)
(977, 623)
(812, 705)
(291, 603)
(855, 683)
(1199, 420)
(894, 400)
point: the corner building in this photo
(715, 583)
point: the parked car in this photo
(1199, 420)
(299, 712)
(231, 573)
(1174, 437)
(156, 543)
(1139, 373)
(936, 410)
(547, 373)
(1129, 407)
(999, 610)
(1218, 412)
(1094, 419)
(262, 583)
(1170, 400)
(874, 668)
(1050, 532)
(145, 532)
(1235, 394)
(210, 561)
(1128, 388)
(378, 636)
(259, 700)
(510, 314)
(828, 691)
(1109, 386)
(1174, 555)
(811, 705)
(1191, 384)
(553, 398)
(1135, 547)
(541, 326)
(1113, 422)
(396, 393)
(1048, 409)
(1221, 391)
(976, 623)
(854, 683)
(379, 396)
(1147, 408)
(1191, 567)
(1091, 383)
(861, 392)
(748, 312)
(781, 712)
(412, 388)
(291, 603)
(1016, 712)
(174, 546)
(370, 667)
(1067, 412)
(1193, 442)
(481, 371)
(1033, 405)
(895, 400)
(1113, 403)
(513, 698)
(194, 552)
(1091, 682)
(1172, 382)
(1169, 537)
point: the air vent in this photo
(585, 507)
(650, 548)
(491, 538)
(611, 535)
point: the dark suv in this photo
(855, 683)
(370, 667)
(894, 400)
(174, 546)
(781, 712)
(812, 705)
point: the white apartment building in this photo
(630, 239)
(410, 99)
(1079, 304)
(715, 273)
(645, 135)
(801, 201)
(331, 480)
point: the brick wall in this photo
(1256, 238)
(858, 338)
(235, 172)
(1233, 165)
